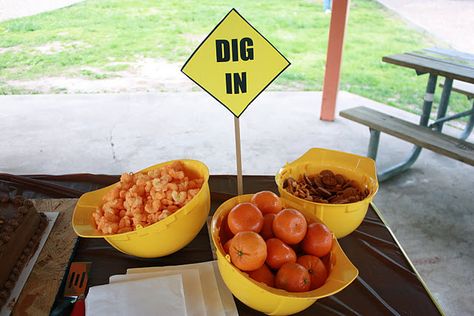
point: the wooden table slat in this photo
(437, 67)
(451, 53)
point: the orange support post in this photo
(340, 12)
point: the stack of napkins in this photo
(192, 289)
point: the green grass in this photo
(93, 75)
(103, 33)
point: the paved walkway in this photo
(451, 21)
(11, 9)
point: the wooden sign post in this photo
(238, 157)
(234, 64)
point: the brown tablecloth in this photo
(387, 283)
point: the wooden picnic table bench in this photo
(436, 62)
(463, 88)
(418, 135)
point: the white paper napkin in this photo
(191, 283)
(152, 296)
(217, 297)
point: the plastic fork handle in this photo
(79, 308)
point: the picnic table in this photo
(437, 62)
(387, 284)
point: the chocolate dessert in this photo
(21, 227)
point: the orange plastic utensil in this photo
(76, 282)
(76, 285)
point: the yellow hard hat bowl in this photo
(270, 300)
(342, 219)
(159, 239)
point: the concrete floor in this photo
(429, 208)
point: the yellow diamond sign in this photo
(235, 63)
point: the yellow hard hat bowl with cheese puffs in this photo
(150, 213)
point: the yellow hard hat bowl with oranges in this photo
(275, 259)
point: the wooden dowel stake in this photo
(238, 156)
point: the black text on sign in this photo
(225, 52)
